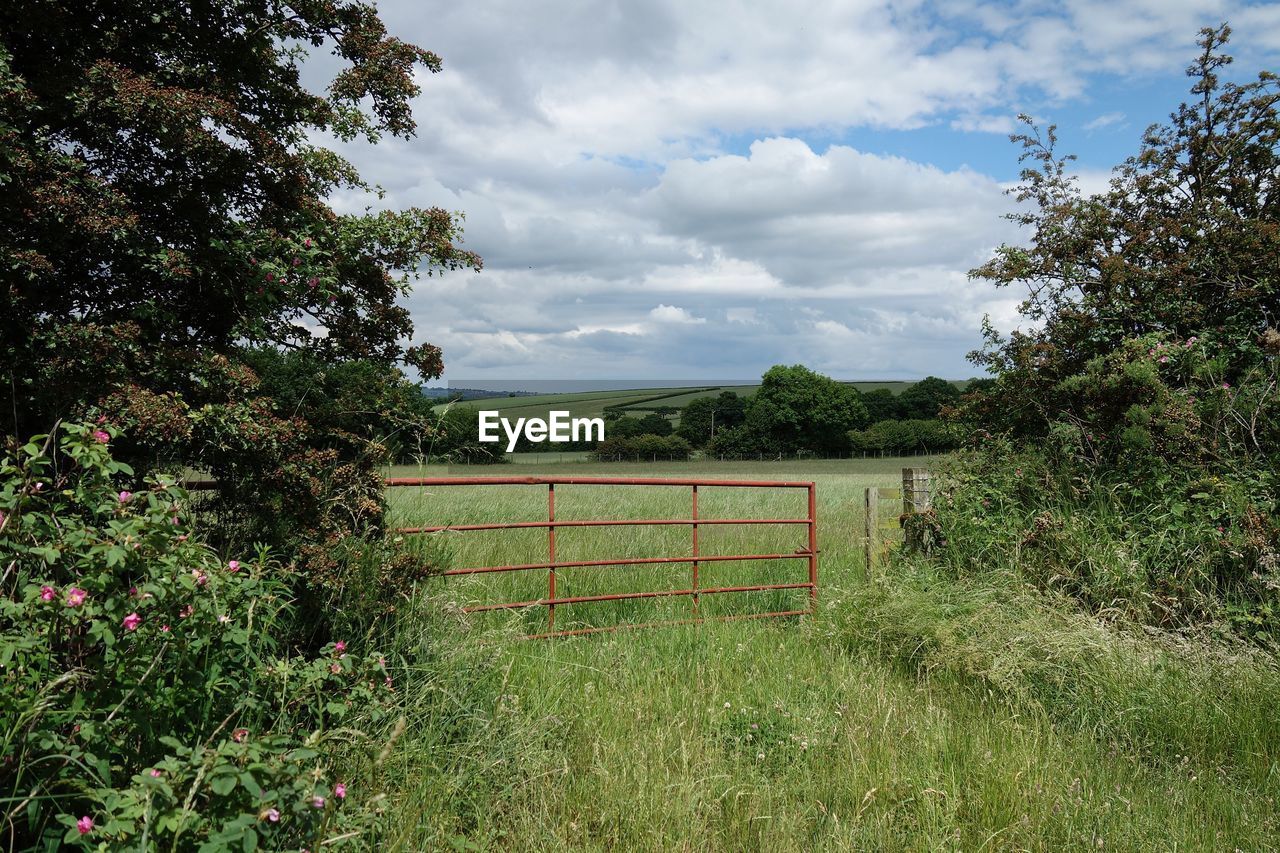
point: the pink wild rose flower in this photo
(85, 825)
(132, 621)
(76, 596)
(48, 593)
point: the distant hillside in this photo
(472, 393)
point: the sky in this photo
(696, 190)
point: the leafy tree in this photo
(906, 436)
(923, 400)
(1155, 301)
(882, 405)
(1140, 404)
(798, 409)
(705, 416)
(625, 427)
(655, 424)
(164, 207)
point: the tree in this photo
(1155, 303)
(798, 409)
(881, 405)
(655, 424)
(164, 208)
(923, 400)
(705, 416)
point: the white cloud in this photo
(674, 314)
(1105, 120)
(614, 157)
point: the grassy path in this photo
(793, 735)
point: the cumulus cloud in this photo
(674, 314)
(702, 158)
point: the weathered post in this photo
(916, 495)
(871, 525)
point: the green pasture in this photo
(834, 732)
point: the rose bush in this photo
(145, 696)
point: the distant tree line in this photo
(795, 411)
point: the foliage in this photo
(1181, 548)
(1142, 401)
(798, 409)
(906, 437)
(882, 405)
(704, 417)
(454, 437)
(655, 424)
(1163, 287)
(165, 206)
(147, 699)
(645, 447)
(925, 400)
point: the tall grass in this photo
(912, 713)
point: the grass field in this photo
(911, 713)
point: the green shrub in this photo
(145, 695)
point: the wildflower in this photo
(224, 618)
(388, 682)
(1164, 359)
(233, 566)
(340, 791)
(297, 261)
(335, 668)
(759, 756)
(271, 276)
(804, 745)
(48, 593)
(125, 497)
(132, 621)
(1226, 385)
(340, 646)
(317, 802)
(186, 611)
(382, 662)
(272, 815)
(39, 487)
(155, 773)
(727, 705)
(164, 628)
(85, 825)
(201, 577)
(102, 436)
(312, 282)
(239, 735)
(76, 596)
(755, 726)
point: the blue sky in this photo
(697, 191)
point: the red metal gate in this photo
(694, 591)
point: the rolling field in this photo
(792, 734)
(639, 401)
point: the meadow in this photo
(912, 712)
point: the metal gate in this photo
(694, 590)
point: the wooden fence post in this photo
(871, 525)
(916, 495)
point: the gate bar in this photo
(625, 561)
(590, 481)
(619, 522)
(621, 596)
